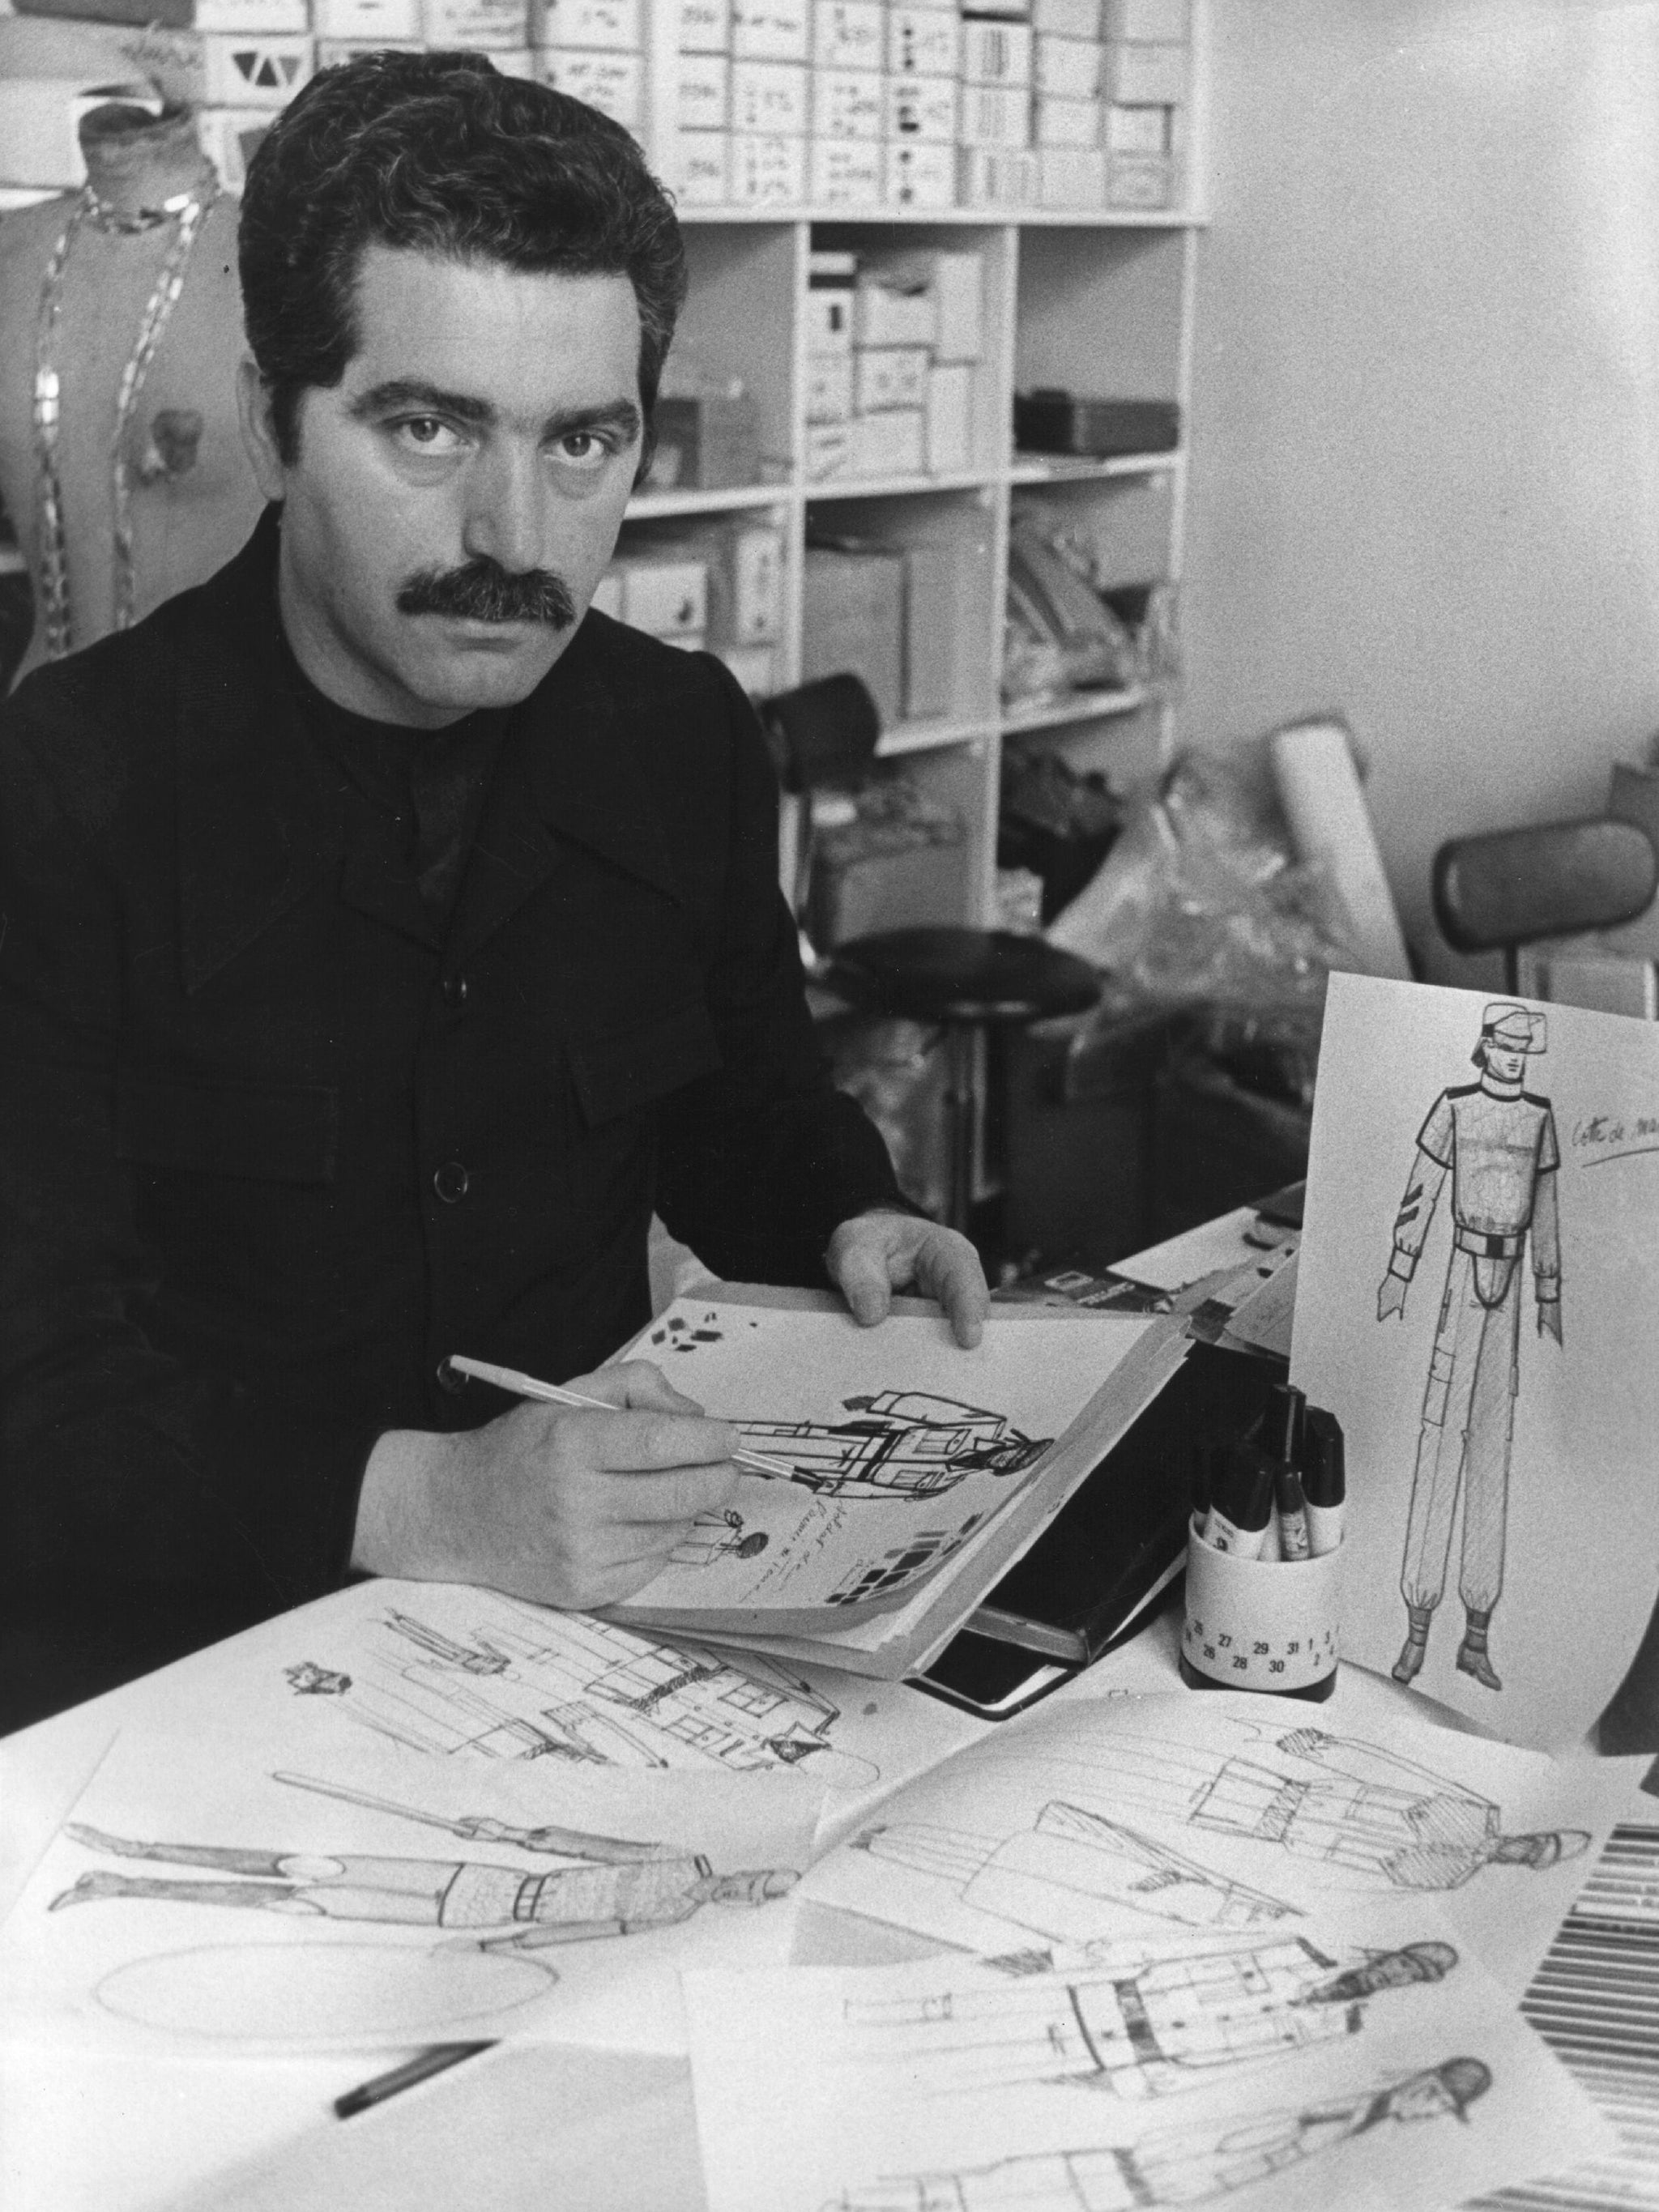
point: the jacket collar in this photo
(255, 832)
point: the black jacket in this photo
(266, 1157)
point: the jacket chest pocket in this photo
(266, 1133)
(622, 1070)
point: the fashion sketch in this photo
(1070, 1873)
(1497, 1141)
(1180, 2165)
(1140, 2031)
(1382, 1820)
(899, 1443)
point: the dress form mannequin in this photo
(191, 500)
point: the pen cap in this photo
(1281, 1424)
(1324, 1471)
(1243, 1487)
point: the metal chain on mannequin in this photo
(188, 209)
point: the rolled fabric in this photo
(1330, 825)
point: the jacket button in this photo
(451, 1182)
(450, 1378)
(453, 990)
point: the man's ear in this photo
(259, 431)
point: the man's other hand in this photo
(570, 1507)
(874, 1255)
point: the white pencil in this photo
(555, 1393)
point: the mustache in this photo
(483, 591)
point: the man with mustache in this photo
(388, 937)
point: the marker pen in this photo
(1242, 1504)
(1324, 1479)
(1281, 1440)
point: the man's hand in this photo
(1549, 1318)
(874, 1255)
(1391, 1296)
(570, 1507)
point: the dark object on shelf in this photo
(822, 733)
(1048, 421)
(1058, 823)
(705, 441)
(968, 980)
(1511, 887)
(1090, 1574)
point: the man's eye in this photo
(586, 448)
(426, 434)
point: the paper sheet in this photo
(202, 1899)
(1503, 1484)
(1276, 2071)
(1101, 1820)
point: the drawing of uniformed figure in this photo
(1380, 1818)
(618, 1896)
(899, 1443)
(1497, 1143)
(1177, 2166)
(1069, 1875)
(1146, 2031)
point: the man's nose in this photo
(506, 510)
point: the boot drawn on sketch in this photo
(1497, 1141)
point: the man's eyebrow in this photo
(431, 398)
(622, 415)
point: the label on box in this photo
(845, 172)
(228, 136)
(829, 379)
(1067, 19)
(612, 82)
(849, 34)
(1149, 22)
(996, 53)
(828, 449)
(771, 30)
(828, 313)
(757, 572)
(950, 417)
(607, 25)
(768, 169)
(1139, 180)
(770, 98)
(331, 52)
(241, 70)
(704, 93)
(261, 16)
(1138, 130)
(996, 176)
(1068, 122)
(705, 26)
(888, 445)
(923, 42)
(517, 61)
(888, 376)
(1068, 69)
(891, 311)
(669, 599)
(847, 103)
(956, 278)
(918, 172)
(1150, 77)
(995, 115)
(475, 22)
(921, 107)
(1072, 176)
(704, 181)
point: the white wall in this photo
(1425, 406)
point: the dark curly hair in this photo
(441, 153)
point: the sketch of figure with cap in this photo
(1497, 1141)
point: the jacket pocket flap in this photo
(275, 1132)
(629, 1068)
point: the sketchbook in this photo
(912, 1474)
(1478, 1303)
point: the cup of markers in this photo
(1264, 1558)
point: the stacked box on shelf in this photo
(771, 102)
(1145, 80)
(924, 99)
(702, 102)
(890, 355)
(594, 50)
(716, 586)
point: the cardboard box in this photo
(517, 61)
(1145, 76)
(771, 30)
(604, 26)
(1138, 130)
(993, 115)
(894, 308)
(376, 20)
(612, 82)
(608, 595)
(1140, 180)
(705, 441)
(703, 26)
(771, 98)
(664, 594)
(753, 575)
(830, 381)
(1072, 176)
(1069, 69)
(243, 71)
(704, 180)
(1067, 19)
(1151, 22)
(847, 103)
(755, 666)
(768, 169)
(1066, 121)
(996, 53)
(918, 172)
(888, 376)
(704, 98)
(954, 278)
(950, 418)
(923, 42)
(996, 177)
(844, 173)
(828, 449)
(893, 444)
(852, 617)
(849, 34)
(937, 584)
(923, 107)
(829, 303)
(331, 52)
(483, 23)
